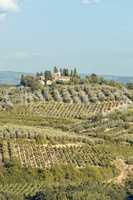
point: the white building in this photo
(58, 77)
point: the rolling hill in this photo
(12, 78)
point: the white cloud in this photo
(7, 6)
(90, 2)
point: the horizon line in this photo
(99, 74)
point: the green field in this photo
(66, 150)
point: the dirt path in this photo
(120, 164)
(124, 169)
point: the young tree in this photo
(55, 69)
(61, 71)
(66, 72)
(71, 73)
(22, 80)
(93, 78)
(48, 75)
(75, 73)
(37, 74)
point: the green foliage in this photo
(130, 86)
(48, 75)
(83, 191)
(65, 151)
(55, 70)
(30, 81)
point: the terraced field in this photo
(19, 189)
(77, 94)
(71, 130)
(62, 110)
(29, 154)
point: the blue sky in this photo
(94, 37)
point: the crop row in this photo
(69, 110)
(82, 94)
(45, 156)
(22, 189)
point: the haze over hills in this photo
(123, 79)
(13, 78)
(10, 77)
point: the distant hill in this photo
(13, 78)
(10, 77)
(122, 79)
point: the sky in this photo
(96, 36)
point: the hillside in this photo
(10, 77)
(13, 78)
(65, 142)
(122, 79)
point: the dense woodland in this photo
(66, 141)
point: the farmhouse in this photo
(64, 79)
(58, 77)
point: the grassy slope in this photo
(19, 181)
